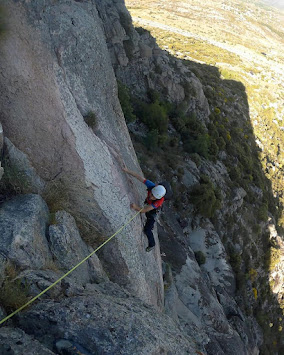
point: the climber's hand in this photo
(134, 207)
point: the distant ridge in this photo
(274, 3)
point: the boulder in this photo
(197, 295)
(145, 51)
(69, 249)
(15, 341)
(38, 280)
(199, 96)
(223, 344)
(216, 265)
(66, 347)
(23, 223)
(26, 176)
(191, 176)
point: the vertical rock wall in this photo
(55, 68)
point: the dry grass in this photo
(14, 292)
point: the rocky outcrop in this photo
(84, 311)
(215, 265)
(106, 319)
(142, 65)
(26, 244)
(200, 291)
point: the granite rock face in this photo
(200, 292)
(57, 69)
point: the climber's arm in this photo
(132, 173)
(144, 210)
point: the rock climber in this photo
(153, 202)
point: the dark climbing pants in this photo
(148, 228)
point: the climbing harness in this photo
(69, 272)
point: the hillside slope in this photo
(245, 41)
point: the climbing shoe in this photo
(149, 248)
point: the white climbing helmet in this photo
(158, 191)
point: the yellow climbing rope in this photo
(69, 272)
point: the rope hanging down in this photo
(69, 272)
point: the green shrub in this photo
(195, 158)
(152, 140)
(158, 69)
(56, 195)
(199, 145)
(273, 258)
(189, 89)
(125, 102)
(153, 96)
(91, 119)
(204, 179)
(200, 257)
(163, 140)
(213, 148)
(256, 229)
(141, 30)
(188, 125)
(194, 135)
(206, 199)
(174, 142)
(126, 21)
(263, 212)
(212, 130)
(217, 110)
(14, 180)
(129, 48)
(153, 115)
(235, 259)
(172, 161)
(221, 143)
